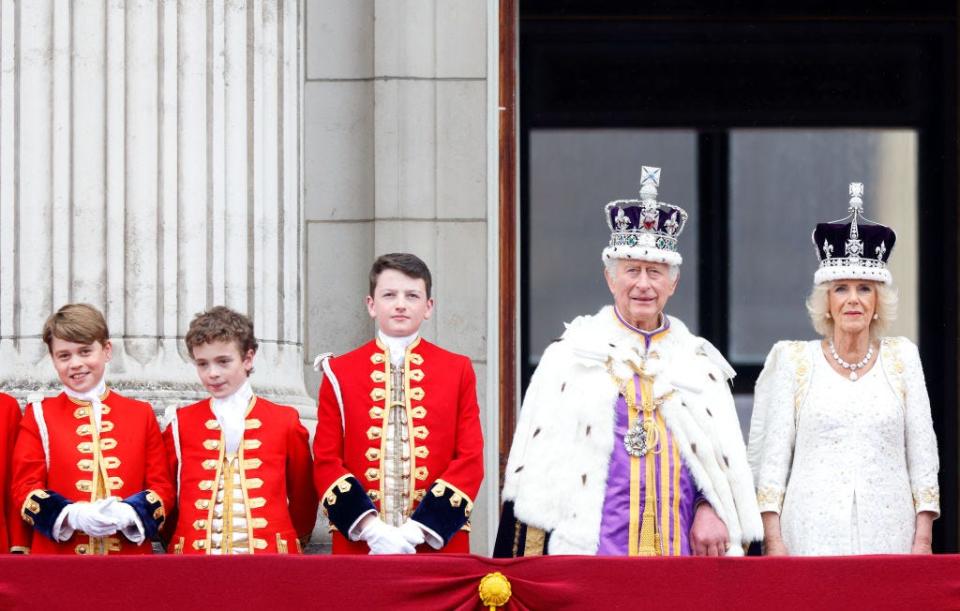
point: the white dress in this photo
(846, 464)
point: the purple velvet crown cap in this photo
(878, 240)
(854, 250)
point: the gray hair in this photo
(611, 265)
(818, 306)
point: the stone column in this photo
(150, 165)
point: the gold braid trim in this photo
(458, 496)
(770, 497)
(330, 496)
(927, 496)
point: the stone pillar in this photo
(150, 165)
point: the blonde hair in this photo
(818, 306)
(80, 323)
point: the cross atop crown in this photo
(649, 182)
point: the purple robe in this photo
(671, 475)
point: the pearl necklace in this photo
(851, 366)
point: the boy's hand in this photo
(412, 532)
(385, 539)
(127, 520)
(87, 518)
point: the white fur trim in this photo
(642, 253)
(852, 272)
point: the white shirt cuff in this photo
(353, 533)
(62, 529)
(433, 539)
(134, 532)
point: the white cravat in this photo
(396, 345)
(92, 397)
(231, 413)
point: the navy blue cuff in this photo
(149, 509)
(444, 510)
(345, 501)
(41, 510)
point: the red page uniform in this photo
(257, 499)
(407, 442)
(62, 456)
(14, 532)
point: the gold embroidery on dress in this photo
(893, 365)
(770, 497)
(798, 353)
(927, 496)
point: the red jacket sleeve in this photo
(173, 467)
(301, 494)
(29, 461)
(158, 475)
(449, 502)
(341, 493)
(15, 532)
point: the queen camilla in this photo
(841, 439)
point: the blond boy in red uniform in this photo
(398, 450)
(89, 469)
(243, 463)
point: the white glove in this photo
(412, 532)
(128, 522)
(385, 539)
(85, 517)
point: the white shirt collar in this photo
(92, 396)
(396, 345)
(231, 414)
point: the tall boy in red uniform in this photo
(89, 470)
(243, 463)
(14, 532)
(398, 450)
